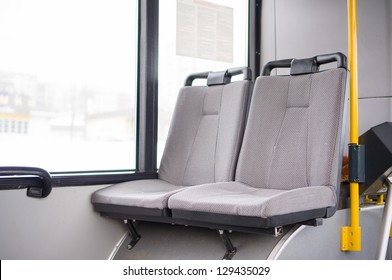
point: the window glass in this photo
(196, 36)
(68, 84)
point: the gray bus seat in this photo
(202, 146)
(288, 169)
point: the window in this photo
(68, 84)
(196, 36)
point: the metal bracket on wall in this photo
(356, 163)
(135, 237)
(230, 249)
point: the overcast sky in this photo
(86, 42)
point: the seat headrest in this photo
(218, 78)
(304, 66)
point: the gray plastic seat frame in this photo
(131, 212)
(249, 223)
(311, 217)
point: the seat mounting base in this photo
(230, 249)
(135, 237)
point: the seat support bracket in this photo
(135, 237)
(230, 249)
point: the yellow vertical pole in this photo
(352, 54)
(351, 235)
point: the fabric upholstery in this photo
(293, 132)
(288, 160)
(202, 146)
(205, 134)
(234, 198)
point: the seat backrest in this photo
(206, 129)
(293, 137)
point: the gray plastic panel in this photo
(61, 226)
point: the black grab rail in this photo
(40, 190)
(226, 75)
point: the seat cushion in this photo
(235, 198)
(152, 193)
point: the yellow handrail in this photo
(351, 235)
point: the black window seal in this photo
(100, 178)
(147, 88)
(254, 37)
(69, 179)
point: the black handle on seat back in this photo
(310, 63)
(283, 63)
(338, 57)
(43, 175)
(228, 74)
(202, 75)
(240, 70)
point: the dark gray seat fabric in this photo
(289, 160)
(202, 147)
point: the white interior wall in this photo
(60, 226)
(268, 31)
(390, 57)
(304, 28)
(374, 63)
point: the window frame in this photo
(146, 110)
(147, 102)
